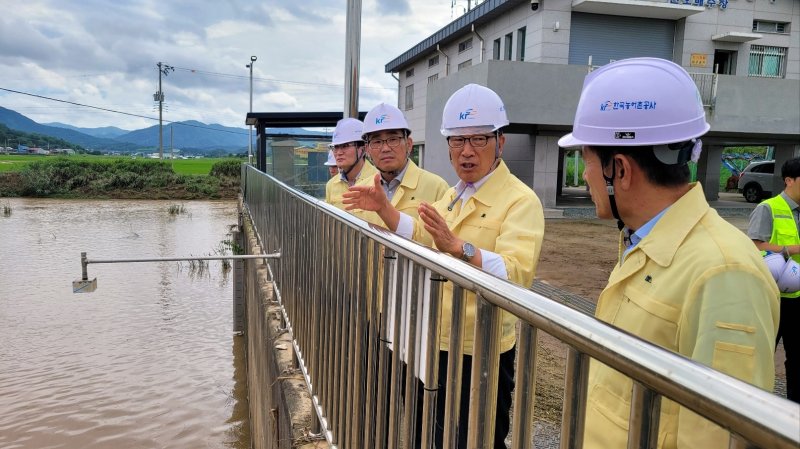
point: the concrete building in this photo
(743, 54)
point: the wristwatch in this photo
(467, 251)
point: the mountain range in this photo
(186, 135)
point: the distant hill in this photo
(188, 135)
(15, 120)
(107, 132)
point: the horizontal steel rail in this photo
(338, 277)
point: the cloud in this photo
(104, 54)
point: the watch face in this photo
(469, 251)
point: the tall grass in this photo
(132, 178)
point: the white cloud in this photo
(104, 54)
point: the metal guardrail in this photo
(707, 86)
(327, 286)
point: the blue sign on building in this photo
(723, 4)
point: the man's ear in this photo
(624, 167)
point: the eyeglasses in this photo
(475, 141)
(377, 144)
(345, 146)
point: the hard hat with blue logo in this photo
(384, 117)
(637, 102)
(789, 280)
(775, 262)
(347, 130)
(473, 109)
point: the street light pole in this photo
(250, 132)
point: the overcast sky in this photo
(103, 53)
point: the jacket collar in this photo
(678, 221)
(490, 190)
(410, 181)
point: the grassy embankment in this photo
(103, 177)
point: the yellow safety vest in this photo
(784, 230)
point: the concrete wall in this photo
(281, 411)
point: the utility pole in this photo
(163, 69)
(250, 132)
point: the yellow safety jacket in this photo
(504, 216)
(697, 286)
(335, 187)
(784, 230)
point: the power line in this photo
(121, 112)
(272, 80)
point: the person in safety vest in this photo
(773, 227)
(348, 151)
(489, 219)
(333, 170)
(686, 280)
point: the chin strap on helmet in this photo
(610, 190)
(359, 156)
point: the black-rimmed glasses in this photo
(377, 144)
(475, 141)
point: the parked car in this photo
(755, 182)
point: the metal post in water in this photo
(351, 58)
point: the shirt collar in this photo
(792, 204)
(392, 185)
(633, 239)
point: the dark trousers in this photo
(790, 332)
(505, 386)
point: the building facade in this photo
(743, 54)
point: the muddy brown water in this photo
(149, 359)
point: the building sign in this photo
(699, 60)
(723, 4)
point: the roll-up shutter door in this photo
(607, 38)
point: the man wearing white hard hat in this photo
(349, 154)
(389, 144)
(686, 280)
(333, 170)
(489, 219)
(774, 228)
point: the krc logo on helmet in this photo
(469, 114)
(381, 119)
(627, 105)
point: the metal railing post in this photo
(485, 366)
(645, 413)
(524, 388)
(575, 390)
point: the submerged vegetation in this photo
(66, 177)
(6, 210)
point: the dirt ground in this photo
(578, 256)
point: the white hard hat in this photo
(331, 159)
(789, 280)
(384, 117)
(473, 109)
(775, 263)
(347, 130)
(637, 102)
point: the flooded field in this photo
(146, 361)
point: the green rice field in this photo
(15, 162)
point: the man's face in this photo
(346, 154)
(593, 175)
(383, 155)
(470, 160)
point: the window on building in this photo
(409, 73)
(763, 26)
(521, 44)
(465, 45)
(433, 61)
(496, 49)
(409, 97)
(465, 64)
(509, 46)
(432, 79)
(768, 62)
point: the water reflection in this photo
(148, 360)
